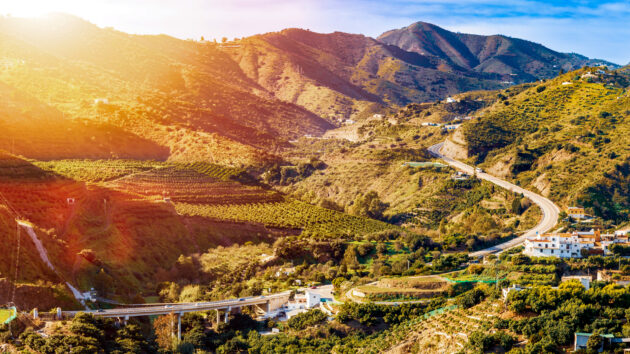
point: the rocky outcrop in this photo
(456, 147)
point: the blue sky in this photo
(599, 29)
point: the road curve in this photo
(549, 210)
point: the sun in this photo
(40, 8)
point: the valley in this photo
(296, 191)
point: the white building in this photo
(312, 299)
(451, 126)
(506, 291)
(570, 245)
(451, 100)
(561, 245)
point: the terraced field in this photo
(409, 288)
(289, 214)
(444, 333)
(96, 170)
(185, 185)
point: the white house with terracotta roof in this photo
(570, 245)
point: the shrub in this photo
(306, 319)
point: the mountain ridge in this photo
(490, 54)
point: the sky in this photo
(597, 29)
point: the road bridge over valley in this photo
(266, 304)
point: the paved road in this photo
(549, 210)
(184, 307)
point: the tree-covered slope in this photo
(566, 137)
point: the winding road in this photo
(549, 210)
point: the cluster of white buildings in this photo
(444, 126)
(571, 245)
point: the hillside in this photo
(340, 75)
(566, 137)
(514, 59)
(187, 97)
(237, 103)
(124, 226)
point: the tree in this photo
(103, 283)
(368, 205)
(337, 283)
(594, 343)
(224, 39)
(306, 319)
(163, 328)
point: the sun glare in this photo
(40, 8)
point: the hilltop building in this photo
(576, 212)
(451, 100)
(573, 245)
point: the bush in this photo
(306, 319)
(471, 298)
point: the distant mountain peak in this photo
(520, 59)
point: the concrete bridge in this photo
(266, 304)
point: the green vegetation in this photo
(96, 170)
(314, 220)
(568, 141)
(87, 334)
(306, 319)
(566, 310)
(5, 315)
(107, 170)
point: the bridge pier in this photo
(179, 327)
(227, 313)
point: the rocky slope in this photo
(514, 59)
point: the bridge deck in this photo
(182, 307)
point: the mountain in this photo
(236, 103)
(188, 97)
(516, 58)
(341, 75)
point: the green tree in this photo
(368, 205)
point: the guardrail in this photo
(180, 307)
